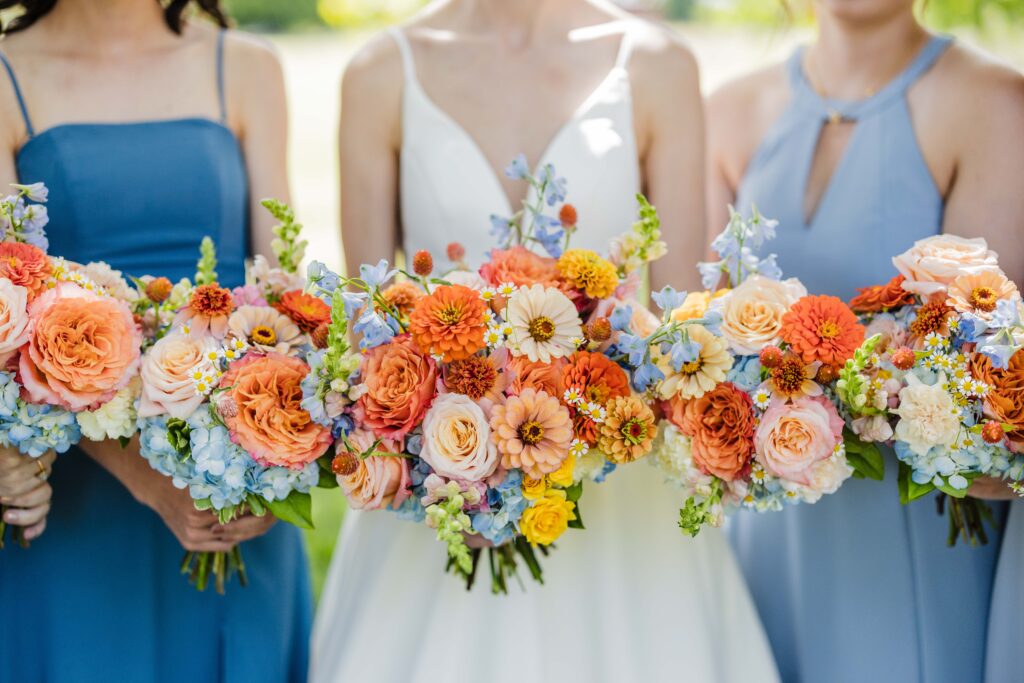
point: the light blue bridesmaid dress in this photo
(1006, 620)
(857, 587)
(98, 597)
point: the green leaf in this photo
(909, 489)
(203, 504)
(578, 522)
(257, 505)
(296, 509)
(574, 492)
(865, 458)
(327, 478)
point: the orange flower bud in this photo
(158, 290)
(423, 263)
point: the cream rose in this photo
(928, 416)
(167, 369)
(824, 477)
(934, 262)
(379, 480)
(456, 439)
(752, 313)
(14, 328)
(794, 436)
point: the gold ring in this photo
(44, 473)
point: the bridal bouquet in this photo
(941, 377)
(69, 346)
(221, 405)
(747, 388)
(483, 399)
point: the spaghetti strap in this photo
(408, 63)
(625, 49)
(220, 76)
(17, 93)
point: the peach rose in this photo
(379, 480)
(14, 327)
(752, 313)
(399, 383)
(456, 439)
(83, 348)
(520, 266)
(721, 426)
(269, 421)
(934, 262)
(546, 377)
(166, 372)
(794, 436)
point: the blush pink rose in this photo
(934, 262)
(379, 480)
(14, 320)
(166, 372)
(83, 348)
(794, 436)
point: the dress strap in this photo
(17, 93)
(408, 63)
(625, 49)
(220, 77)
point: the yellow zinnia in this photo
(586, 271)
(548, 518)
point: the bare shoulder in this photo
(660, 54)
(256, 52)
(994, 86)
(375, 71)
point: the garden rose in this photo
(720, 424)
(752, 313)
(83, 348)
(548, 518)
(14, 328)
(934, 262)
(379, 480)
(794, 436)
(166, 372)
(928, 416)
(400, 383)
(521, 267)
(269, 421)
(456, 439)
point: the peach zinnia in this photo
(822, 328)
(305, 310)
(978, 293)
(26, 266)
(533, 432)
(450, 322)
(628, 431)
(207, 311)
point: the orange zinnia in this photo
(451, 322)
(596, 379)
(885, 297)
(822, 328)
(305, 310)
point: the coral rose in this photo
(167, 371)
(752, 313)
(450, 322)
(823, 329)
(533, 432)
(720, 425)
(399, 384)
(14, 327)
(83, 348)
(878, 298)
(269, 421)
(934, 262)
(305, 310)
(1005, 401)
(456, 439)
(521, 267)
(26, 266)
(378, 480)
(794, 436)
(546, 377)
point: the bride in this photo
(432, 112)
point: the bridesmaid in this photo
(876, 135)
(150, 132)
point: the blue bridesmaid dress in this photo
(857, 587)
(1006, 620)
(98, 597)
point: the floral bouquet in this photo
(746, 382)
(221, 409)
(941, 377)
(484, 399)
(69, 345)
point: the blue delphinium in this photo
(33, 429)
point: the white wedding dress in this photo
(629, 599)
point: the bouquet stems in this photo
(967, 519)
(19, 531)
(200, 567)
(504, 564)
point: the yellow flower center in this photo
(450, 314)
(693, 367)
(983, 299)
(531, 432)
(262, 335)
(828, 329)
(542, 329)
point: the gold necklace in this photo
(817, 84)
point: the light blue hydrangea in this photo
(33, 429)
(507, 506)
(746, 373)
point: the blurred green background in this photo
(316, 38)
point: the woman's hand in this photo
(197, 531)
(991, 488)
(24, 491)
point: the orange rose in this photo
(885, 297)
(25, 265)
(84, 348)
(270, 423)
(1005, 402)
(399, 383)
(521, 267)
(546, 377)
(721, 426)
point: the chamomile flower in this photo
(577, 449)
(487, 294)
(493, 337)
(762, 398)
(572, 396)
(506, 289)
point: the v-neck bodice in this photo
(449, 188)
(880, 198)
